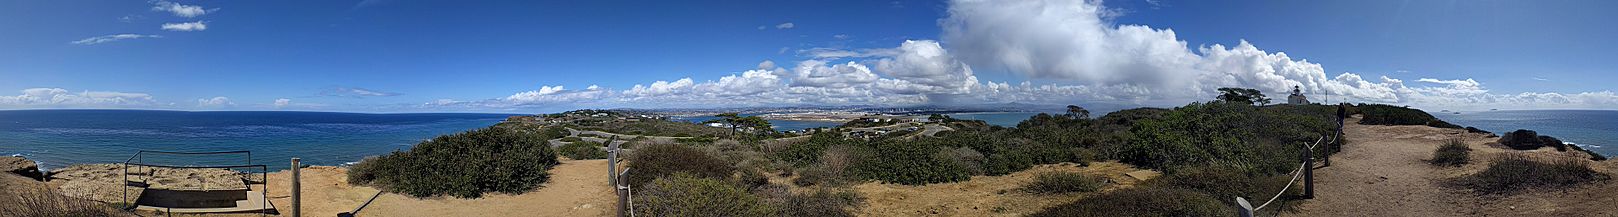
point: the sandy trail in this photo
(1382, 171)
(576, 188)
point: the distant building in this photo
(1297, 97)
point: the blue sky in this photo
(543, 56)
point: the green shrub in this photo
(463, 165)
(906, 163)
(571, 139)
(808, 151)
(683, 194)
(823, 202)
(832, 169)
(1064, 182)
(1259, 140)
(1453, 153)
(1225, 183)
(1515, 172)
(1143, 201)
(1378, 114)
(658, 160)
(583, 150)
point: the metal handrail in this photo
(263, 171)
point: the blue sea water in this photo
(1596, 130)
(57, 138)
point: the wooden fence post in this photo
(1308, 173)
(1243, 208)
(296, 190)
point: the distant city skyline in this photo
(547, 56)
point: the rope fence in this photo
(1305, 170)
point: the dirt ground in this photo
(983, 195)
(576, 188)
(1382, 171)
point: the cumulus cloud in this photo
(186, 27)
(218, 101)
(1071, 46)
(180, 9)
(926, 63)
(58, 97)
(111, 38)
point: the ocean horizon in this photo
(57, 138)
(1596, 130)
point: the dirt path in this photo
(982, 195)
(576, 188)
(1382, 171)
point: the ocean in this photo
(1596, 130)
(56, 138)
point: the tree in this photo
(1076, 112)
(729, 118)
(1243, 95)
(758, 124)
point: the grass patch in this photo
(1064, 182)
(1515, 172)
(582, 150)
(658, 160)
(1142, 201)
(684, 194)
(1453, 153)
(823, 202)
(465, 165)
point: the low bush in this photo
(571, 139)
(683, 194)
(1064, 182)
(582, 150)
(1453, 153)
(906, 163)
(1515, 172)
(465, 165)
(823, 202)
(1379, 114)
(658, 160)
(1226, 183)
(1142, 201)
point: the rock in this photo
(1553, 142)
(1522, 140)
(20, 166)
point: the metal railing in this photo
(139, 162)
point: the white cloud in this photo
(59, 98)
(926, 63)
(660, 88)
(186, 27)
(218, 101)
(815, 73)
(787, 25)
(180, 9)
(354, 92)
(1072, 47)
(282, 102)
(111, 38)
